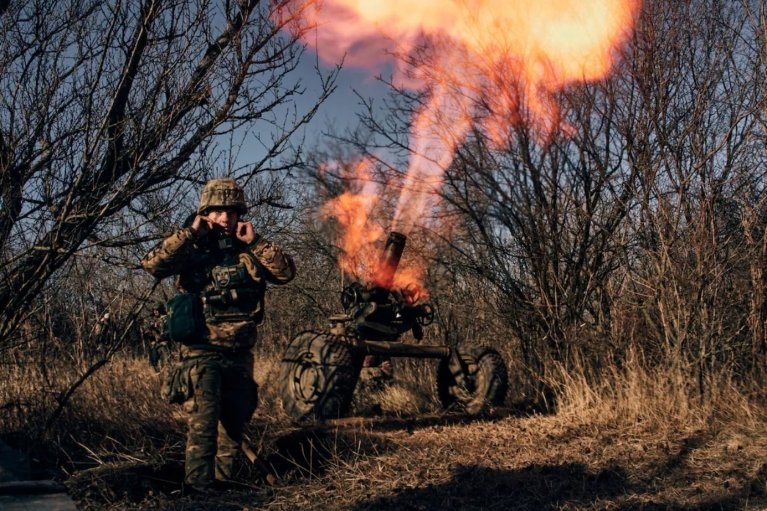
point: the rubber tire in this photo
(318, 374)
(486, 386)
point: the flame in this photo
(359, 213)
(354, 209)
(482, 64)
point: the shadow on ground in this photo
(307, 452)
(292, 456)
(386, 423)
(554, 487)
(301, 454)
(536, 487)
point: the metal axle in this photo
(401, 349)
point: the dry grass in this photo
(659, 397)
(116, 415)
(636, 439)
(537, 463)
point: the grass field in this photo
(637, 440)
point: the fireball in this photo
(484, 64)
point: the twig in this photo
(63, 397)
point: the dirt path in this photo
(503, 462)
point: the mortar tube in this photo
(389, 262)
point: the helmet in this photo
(222, 193)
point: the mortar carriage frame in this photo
(320, 369)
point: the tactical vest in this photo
(228, 291)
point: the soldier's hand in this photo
(245, 232)
(201, 226)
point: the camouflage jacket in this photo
(202, 266)
(153, 329)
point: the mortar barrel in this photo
(392, 253)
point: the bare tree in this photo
(698, 138)
(112, 111)
(629, 230)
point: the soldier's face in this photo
(224, 218)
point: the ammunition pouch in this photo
(177, 385)
(185, 322)
(235, 296)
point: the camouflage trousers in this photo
(223, 397)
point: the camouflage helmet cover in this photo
(222, 193)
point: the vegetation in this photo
(620, 269)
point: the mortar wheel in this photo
(318, 374)
(485, 381)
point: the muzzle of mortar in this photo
(390, 258)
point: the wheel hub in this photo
(308, 379)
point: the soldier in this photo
(103, 332)
(223, 261)
(154, 334)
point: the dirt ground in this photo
(501, 461)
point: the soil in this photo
(500, 461)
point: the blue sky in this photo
(341, 109)
(337, 114)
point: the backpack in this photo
(185, 322)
